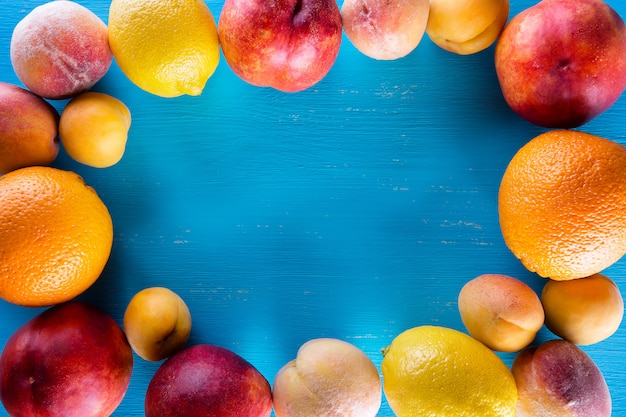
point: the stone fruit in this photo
(385, 29)
(289, 45)
(60, 49)
(94, 129)
(208, 381)
(466, 27)
(561, 63)
(71, 360)
(28, 129)
(437, 371)
(157, 323)
(56, 236)
(559, 379)
(500, 311)
(583, 311)
(329, 377)
(562, 204)
(166, 47)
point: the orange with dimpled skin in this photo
(562, 204)
(55, 236)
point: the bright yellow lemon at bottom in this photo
(433, 371)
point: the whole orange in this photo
(56, 236)
(562, 204)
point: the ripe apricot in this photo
(583, 311)
(94, 129)
(500, 311)
(466, 27)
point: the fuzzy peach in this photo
(329, 377)
(385, 29)
(60, 49)
(28, 129)
(500, 311)
(559, 379)
(466, 27)
(583, 311)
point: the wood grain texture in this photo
(356, 209)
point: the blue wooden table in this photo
(355, 209)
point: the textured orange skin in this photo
(55, 236)
(60, 49)
(561, 63)
(559, 379)
(28, 129)
(562, 204)
(279, 45)
(71, 360)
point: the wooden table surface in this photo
(356, 209)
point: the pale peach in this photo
(385, 29)
(559, 379)
(466, 27)
(583, 311)
(28, 129)
(500, 311)
(329, 377)
(60, 49)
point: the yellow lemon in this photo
(431, 371)
(166, 47)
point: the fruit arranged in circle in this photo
(157, 323)
(438, 371)
(560, 63)
(385, 29)
(56, 236)
(208, 381)
(500, 311)
(289, 45)
(60, 49)
(583, 311)
(71, 360)
(562, 204)
(466, 27)
(94, 129)
(329, 377)
(28, 129)
(166, 47)
(559, 379)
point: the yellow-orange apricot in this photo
(466, 27)
(500, 311)
(583, 311)
(94, 129)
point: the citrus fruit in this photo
(437, 371)
(55, 236)
(166, 47)
(562, 204)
